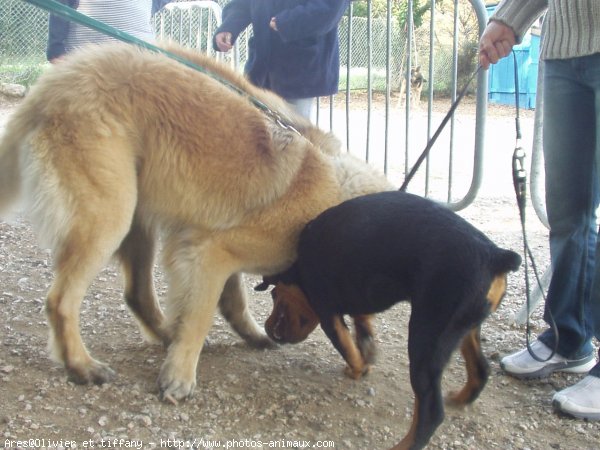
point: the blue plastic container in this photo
(502, 75)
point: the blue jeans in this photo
(571, 146)
(303, 106)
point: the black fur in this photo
(368, 253)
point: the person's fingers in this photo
(223, 41)
(484, 61)
(490, 54)
(503, 48)
(496, 42)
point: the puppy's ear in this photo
(287, 277)
(267, 281)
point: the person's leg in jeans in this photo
(303, 106)
(594, 75)
(572, 196)
(582, 400)
(571, 200)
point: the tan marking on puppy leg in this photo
(409, 439)
(471, 351)
(365, 339)
(497, 291)
(356, 365)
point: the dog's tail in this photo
(505, 261)
(14, 153)
(10, 173)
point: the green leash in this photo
(73, 15)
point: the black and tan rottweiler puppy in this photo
(366, 254)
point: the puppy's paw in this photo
(357, 373)
(368, 349)
(456, 399)
(91, 372)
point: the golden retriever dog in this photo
(115, 146)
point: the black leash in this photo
(437, 133)
(520, 184)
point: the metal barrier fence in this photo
(394, 135)
(372, 115)
(191, 24)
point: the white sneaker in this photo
(582, 400)
(522, 365)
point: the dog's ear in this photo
(266, 283)
(286, 277)
(260, 287)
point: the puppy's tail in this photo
(505, 261)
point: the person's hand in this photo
(273, 24)
(496, 42)
(223, 41)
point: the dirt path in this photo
(248, 398)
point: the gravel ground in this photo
(290, 397)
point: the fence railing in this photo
(374, 117)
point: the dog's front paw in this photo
(261, 341)
(173, 387)
(357, 373)
(91, 372)
(367, 348)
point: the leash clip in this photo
(286, 126)
(280, 121)
(519, 175)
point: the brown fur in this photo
(115, 145)
(293, 319)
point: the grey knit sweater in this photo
(571, 27)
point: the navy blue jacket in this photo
(58, 28)
(301, 59)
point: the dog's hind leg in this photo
(234, 307)
(365, 339)
(429, 349)
(477, 370)
(137, 262)
(76, 266)
(83, 205)
(94, 235)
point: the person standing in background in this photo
(570, 49)
(294, 50)
(130, 16)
